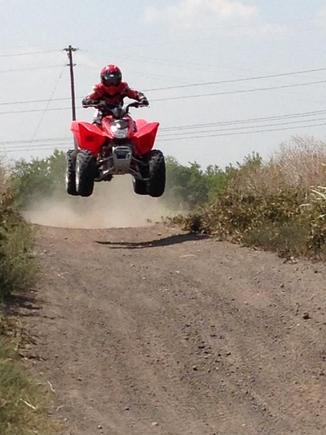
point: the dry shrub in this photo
(274, 205)
(300, 164)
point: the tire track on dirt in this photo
(152, 331)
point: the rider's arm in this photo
(136, 95)
(96, 95)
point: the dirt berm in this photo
(152, 331)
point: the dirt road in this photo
(151, 331)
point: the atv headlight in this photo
(119, 133)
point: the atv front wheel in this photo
(71, 173)
(140, 187)
(156, 183)
(85, 173)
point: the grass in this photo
(23, 405)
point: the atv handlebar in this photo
(101, 105)
(133, 104)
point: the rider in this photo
(112, 90)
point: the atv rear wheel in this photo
(140, 187)
(85, 173)
(71, 173)
(156, 183)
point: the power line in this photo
(54, 139)
(241, 91)
(199, 125)
(28, 53)
(59, 147)
(170, 130)
(247, 132)
(186, 85)
(218, 133)
(244, 79)
(31, 68)
(185, 97)
(20, 149)
(8, 103)
(243, 121)
(176, 134)
(47, 105)
(35, 110)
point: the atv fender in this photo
(88, 136)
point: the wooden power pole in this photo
(71, 65)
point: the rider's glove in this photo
(144, 102)
(86, 102)
(101, 104)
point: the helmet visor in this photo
(111, 79)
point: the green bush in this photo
(189, 187)
(37, 179)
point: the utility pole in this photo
(69, 51)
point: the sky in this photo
(224, 77)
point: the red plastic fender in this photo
(88, 136)
(145, 135)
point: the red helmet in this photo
(111, 75)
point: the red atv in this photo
(115, 145)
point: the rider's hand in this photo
(88, 103)
(85, 102)
(144, 102)
(101, 105)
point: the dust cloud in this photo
(112, 205)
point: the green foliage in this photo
(38, 178)
(217, 180)
(189, 187)
(17, 268)
(185, 185)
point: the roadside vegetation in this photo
(277, 204)
(22, 404)
(38, 179)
